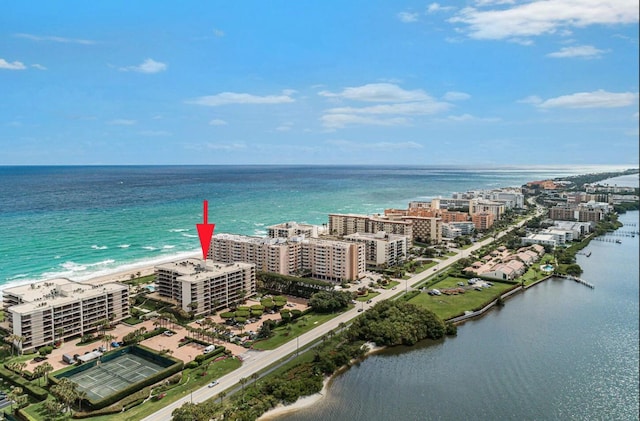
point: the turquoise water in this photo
(80, 222)
(559, 351)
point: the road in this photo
(259, 360)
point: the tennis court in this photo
(107, 378)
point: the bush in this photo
(228, 315)
(32, 389)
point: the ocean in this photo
(85, 221)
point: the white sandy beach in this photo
(301, 403)
(124, 275)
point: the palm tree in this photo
(80, 396)
(255, 377)
(13, 395)
(107, 339)
(222, 395)
(38, 373)
(243, 381)
(46, 369)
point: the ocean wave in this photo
(73, 266)
(96, 247)
(167, 247)
(124, 246)
(190, 235)
(150, 248)
(260, 232)
(179, 229)
(18, 276)
(258, 224)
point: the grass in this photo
(299, 326)
(369, 296)
(391, 284)
(448, 306)
(143, 280)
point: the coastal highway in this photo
(261, 359)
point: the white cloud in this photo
(122, 122)
(407, 17)
(407, 108)
(55, 39)
(540, 17)
(532, 99)
(335, 121)
(584, 51)
(284, 127)
(16, 65)
(38, 66)
(404, 102)
(147, 66)
(217, 122)
(378, 92)
(436, 7)
(492, 2)
(218, 33)
(468, 117)
(636, 115)
(456, 96)
(596, 99)
(226, 98)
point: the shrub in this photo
(228, 315)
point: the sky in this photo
(489, 82)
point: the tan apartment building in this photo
(382, 249)
(205, 286)
(47, 311)
(268, 254)
(483, 221)
(292, 229)
(486, 206)
(425, 230)
(345, 224)
(323, 259)
(332, 260)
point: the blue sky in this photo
(305, 82)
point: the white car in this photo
(213, 383)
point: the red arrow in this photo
(205, 231)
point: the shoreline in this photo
(307, 401)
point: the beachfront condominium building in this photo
(45, 312)
(322, 259)
(583, 212)
(201, 287)
(331, 260)
(382, 249)
(345, 224)
(293, 229)
(268, 254)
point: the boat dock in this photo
(578, 280)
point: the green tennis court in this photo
(107, 378)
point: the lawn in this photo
(296, 328)
(391, 284)
(369, 296)
(448, 306)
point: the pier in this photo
(578, 280)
